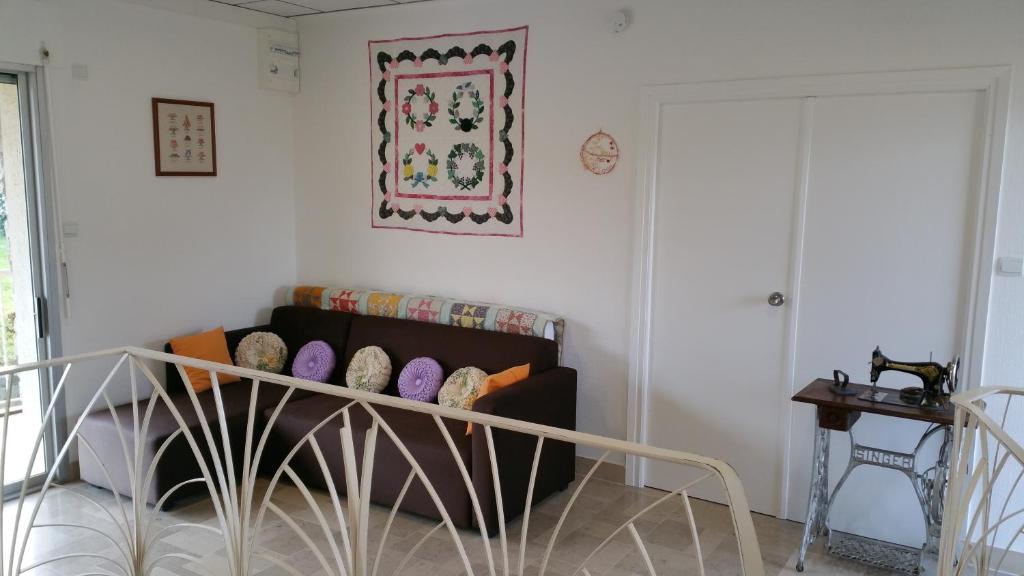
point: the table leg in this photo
(817, 499)
(937, 492)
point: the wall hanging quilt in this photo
(447, 131)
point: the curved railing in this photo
(983, 518)
(336, 533)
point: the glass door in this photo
(24, 333)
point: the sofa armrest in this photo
(548, 398)
(173, 379)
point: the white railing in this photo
(983, 518)
(348, 543)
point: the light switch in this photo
(70, 229)
(1009, 266)
(79, 71)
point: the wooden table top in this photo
(820, 393)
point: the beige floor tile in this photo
(596, 522)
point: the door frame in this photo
(993, 81)
(40, 177)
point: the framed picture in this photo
(184, 138)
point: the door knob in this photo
(776, 299)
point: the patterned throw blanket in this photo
(434, 309)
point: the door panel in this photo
(22, 297)
(727, 179)
(888, 240)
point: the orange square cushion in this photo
(211, 346)
(499, 381)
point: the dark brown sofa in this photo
(547, 397)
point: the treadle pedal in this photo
(877, 553)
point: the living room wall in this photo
(576, 257)
(158, 257)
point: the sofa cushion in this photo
(297, 326)
(211, 346)
(453, 347)
(418, 433)
(172, 380)
(178, 462)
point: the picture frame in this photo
(184, 137)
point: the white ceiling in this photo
(293, 8)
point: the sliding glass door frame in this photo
(42, 226)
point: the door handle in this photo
(776, 299)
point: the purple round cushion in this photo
(315, 361)
(420, 380)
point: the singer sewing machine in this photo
(937, 381)
(839, 405)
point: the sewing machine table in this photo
(835, 412)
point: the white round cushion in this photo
(262, 351)
(461, 388)
(369, 370)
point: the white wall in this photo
(158, 257)
(576, 256)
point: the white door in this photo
(884, 257)
(889, 236)
(727, 180)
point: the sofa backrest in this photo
(453, 347)
(297, 326)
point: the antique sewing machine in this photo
(937, 381)
(839, 405)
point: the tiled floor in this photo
(600, 509)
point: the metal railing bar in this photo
(565, 512)
(391, 518)
(19, 368)
(693, 532)
(101, 507)
(193, 445)
(635, 517)
(412, 551)
(474, 500)
(184, 525)
(120, 436)
(232, 493)
(643, 549)
(529, 505)
(303, 536)
(427, 484)
(366, 485)
(241, 510)
(315, 509)
(492, 456)
(178, 555)
(157, 508)
(106, 474)
(49, 477)
(280, 564)
(72, 556)
(261, 445)
(335, 501)
(101, 533)
(261, 511)
(224, 494)
(548, 432)
(247, 483)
